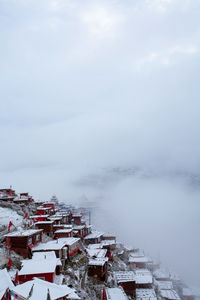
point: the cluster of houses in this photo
(57, 236)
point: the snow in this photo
(40, 290)
(49, 255)
(116, 294)
(143, 259)
(169, 294)
(56, 244)
(34, 266)
(97, 261)
(5, 280)
(143, 276)
(39, 216)
(124, 276)
(146, 294)
(23, 232)
(163, 285)
(99, 253)
(95, 246)
(63, 231)
(44, 222)
(94, 235)
(7, 215)
(78, 227)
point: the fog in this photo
(88, 87)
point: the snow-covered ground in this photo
(7, 215)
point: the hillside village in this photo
(50, 250)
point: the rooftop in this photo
(116, 294)
(169, 294)
(40, 290)
(23, 233)
(97, 261)
(146, 294)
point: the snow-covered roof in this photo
(38, 266)
(44, 222)
(96, 252)
(187, 292)
(142, 259)
(38, 216)
(78, 227)
(56, 244)
(143, 276)
(95, 246)
(161, 274)
(40, 290)
(146, 294)
(124, 276)
(97, 261)
(93, 235)
(116, 294)
(163, 284)
(63, 231)
(44, 208)
(169, 294)
(23, 233)
(62, 225)
(108, 243)
(5, 281)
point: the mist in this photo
(95, 86)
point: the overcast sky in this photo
(91, 85)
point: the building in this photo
(98, 268)
(77, 219)
(79, 231)
(43, 210)
(22, 242)
(113, 294)
(45, 290)
(38, 218)
(47, 227)
(127, 280)
(44, 266)
(94, 238)
(169, 295)
(63, 233)
(145, 294)
(5, 285)
(143, 278)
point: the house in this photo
(138, 261)
(169, 295)
(98, 268)
(43, 265)
(63, 233)
(22, 242)
(24, 198)
(188, 294)
(96, 253)
(38, 218)
(7, 194)
(59, 246)
(88, 229)
(65, 248)
(143, 278)
(160, 274)
(57, 220)
(43, 210)
(65, 217)
(47, 227)
(50, 205)
(79, 231)
(5, 285)
(145, 294)
(113, 294)
(77, 219)
(94, 238)
(163, 285)
(61, 226)
(107, 236)
(127, 280)
(46, 290)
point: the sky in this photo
(90, 86)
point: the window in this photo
(30, 240)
